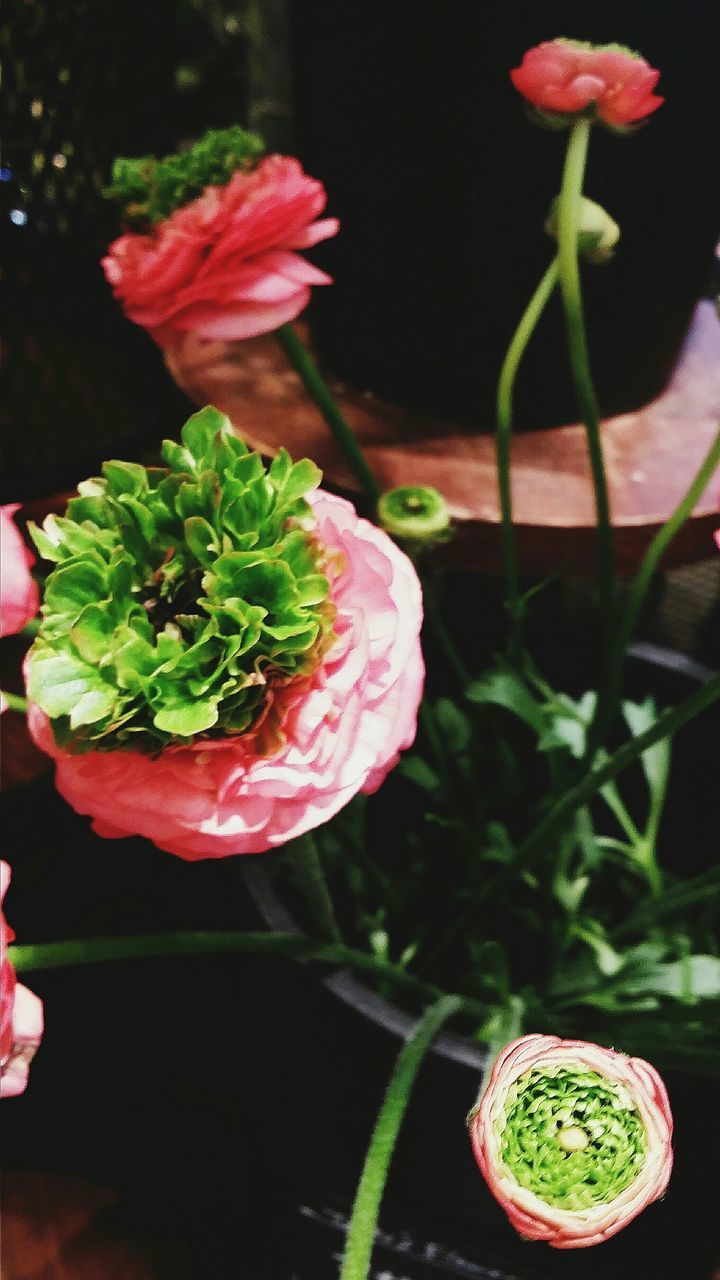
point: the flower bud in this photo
(598, 233)
(574, 1140)
(415, 513)
(564, 79)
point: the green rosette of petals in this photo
(571, 1137)
(149, 189)
(182, 596)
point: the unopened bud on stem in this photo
(414, 513)
(598, 233)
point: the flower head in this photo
(573, 1140)
(21, 1014)
(225, 658)
(218, 255)
(18, 591)
(186, 599)
(567, 78)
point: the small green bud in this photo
(598, 233)
(414, 513)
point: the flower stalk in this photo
(503, 434)
(309, 870)
(363, 1222)
(29, 957)
(607, 707)
(13, 702)
(319, 392)
(568, 215)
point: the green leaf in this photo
(506, 689)
(202, 540)
(655, 762)
(201, 431)
(417, 770)
(57, 682)
(125, 477)
(94, 705)
(454, 723)
(184, 721)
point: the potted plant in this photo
(229, 661)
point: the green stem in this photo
(363, 1222)
(59, 955)
(14, 702)
(568, 227)
(318, 390)
(607, 708)
(309, 870)
(503, 434)
(667, 723)
(702, 888)
(442, 636)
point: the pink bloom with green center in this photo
(225, 265)
(569, 78)
(21, 1014)
(342, 729)
(573, 1140)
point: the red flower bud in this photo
(567, 78)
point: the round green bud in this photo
(598, 233)
(414, 513)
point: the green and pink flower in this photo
(573, 1140)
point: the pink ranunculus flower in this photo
(567, 77)
(21, 1014)
(344, 728)
(224, 266)
(573, 1140)
(18, 591)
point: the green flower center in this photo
(184, 597)
(149, 189)
(571, 1137)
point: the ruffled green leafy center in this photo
(149, 189)
(572, 1137)
(184, 597)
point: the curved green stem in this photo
(59, 955)
(607, 707)
(318, 390)
(503, 434)
(14, 702)
(568, 226)
(363, 1222)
